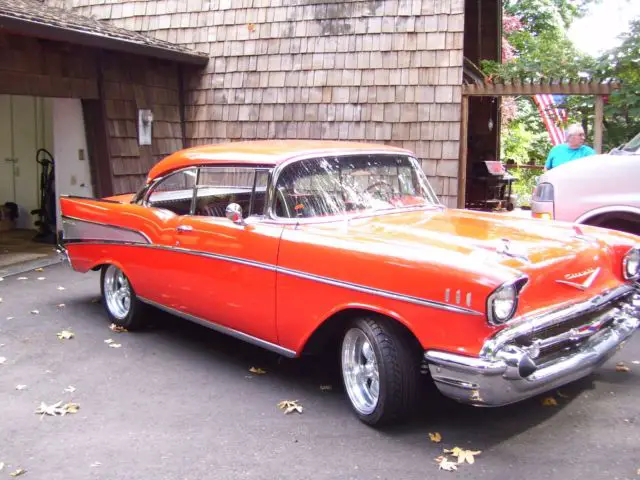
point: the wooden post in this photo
(597, 127)
(462, 164)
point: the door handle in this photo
(184, 228)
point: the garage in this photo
(72, 94)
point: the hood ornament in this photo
(587, 277)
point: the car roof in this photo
(261, 152)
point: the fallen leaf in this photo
(21, 387)
(10, 318)
(115, 345)
(18, 472)
(1, 463)
(463, 455)
(70, 408)
(39, 270)
(445, 464)
(42, 278)
(117, 328)
(70, 389)
(290, 406)
(108, 340)
(549, 402)
(435, 437)
(636, 362)
(60, 305)
(35, 312)
(95, 300)
(257, 370)
(23, 278)
(561, 395)
(0, 299)
(57, 409)
(95, 464)
(2, 360)
(65, 335)
(621, 367)
(61, 288)
(325, 388)
(1, 279)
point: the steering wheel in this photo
(381, 183)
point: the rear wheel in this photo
(380, 370)
(122, 304)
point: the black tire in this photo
(134, 317)
(398, 358)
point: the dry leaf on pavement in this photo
(621, 367)
(60, 305)
(0, 299)
(57, 409)
(435, 437)
(463, 455)
(42, 278)
(95, 300)
(257, 370)
(21, 387)
(70, 389)
(1, 463)
(23, 278)
(117, 328)
(61, 288)
(2, 360)
(290, 406)
(561, 395)
(35, 312)
(325, 388)
(18, 472)
(1, 279)
(39, 269)
(95, 464)
(10, 318)
(635, 362)
(445, 464)
(549, 402)
(115, 345)
(65, 335)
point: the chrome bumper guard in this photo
(508, 371)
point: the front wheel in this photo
(380, 370)
(122, 304)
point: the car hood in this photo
(492, 248)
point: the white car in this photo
(602, 190)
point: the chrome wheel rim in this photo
(360, 371)
(117, 292)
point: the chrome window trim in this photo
(222, 329)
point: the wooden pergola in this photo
(513, 88)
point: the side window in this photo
(174, 192)
(219, 186)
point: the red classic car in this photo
(301, 246)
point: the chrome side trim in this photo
(226, 330)
(526, 325)
(75, 229)
(299, 274)
(379, 292)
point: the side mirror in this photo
(234, 213)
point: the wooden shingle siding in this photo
(132, 83)
(375, 70)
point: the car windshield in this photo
(351, 183)
(633, 146)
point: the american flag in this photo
(553, 117)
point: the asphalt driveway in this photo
(177, 401)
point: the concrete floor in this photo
(17, 249)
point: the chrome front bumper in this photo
(507, 372)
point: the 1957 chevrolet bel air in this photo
(299, 246)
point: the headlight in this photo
(631, 264)
(503, 302)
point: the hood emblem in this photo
(581, 280)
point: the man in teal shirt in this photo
(573, 149)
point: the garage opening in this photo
(43, 153)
